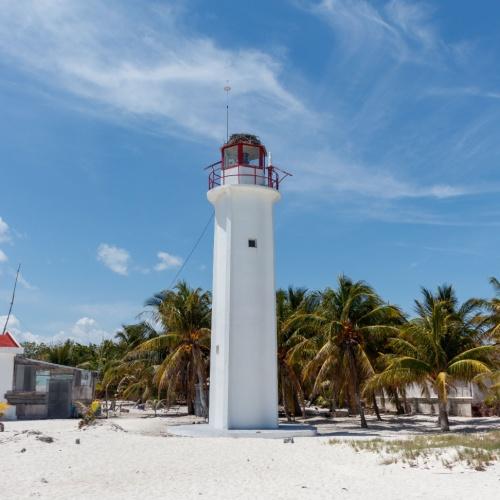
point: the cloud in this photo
(25, 283)
(14, 326)
(84, 330)
(143, 65)
(101, 52)
(113, 312)
(4, 231)
(328, 173)
(167, 261)
(462, 91)
(115, 258)
(399, 28)
(3, 257)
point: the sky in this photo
(386, 112)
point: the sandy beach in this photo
(134, 457)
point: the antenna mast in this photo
(12, 300)
(227, 88)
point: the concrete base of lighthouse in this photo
(207, 431)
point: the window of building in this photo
(85, 379)
(42, 380)
(252, 243)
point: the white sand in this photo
(141, 462)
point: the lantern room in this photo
(245, 150)
(244, 160)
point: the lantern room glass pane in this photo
(231, 157)
(251, 155)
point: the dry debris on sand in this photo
(131, 457)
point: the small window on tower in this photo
(252, 243)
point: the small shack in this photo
(38, 389)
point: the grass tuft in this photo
(476, 451)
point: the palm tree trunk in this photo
(107, 404)
(405, 401)
(357, 395)
(443, 421)
(375, 407)
(298, 394)
(299, 405)
(283, 397)
(333, 401)
(201, 381)
(190, 390)
(399, 408)
(360, 408)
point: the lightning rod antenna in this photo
(227, 89)
(12, 300)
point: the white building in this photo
(243, 372)
(462, 396)
(9, 348)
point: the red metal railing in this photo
(261, 176)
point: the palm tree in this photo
(437, 348)
(184, 344)
(291, 305)
(61, 354)
(347, 318)
(130, 336)
(492, 319)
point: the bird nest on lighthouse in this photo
(246, 138)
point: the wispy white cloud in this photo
(463, 91)
(12, 324)
(3, 256)
(386, 212)
(4, 231)
(143, 64)
(400, 28)
(15, 327)
(167, 261)
(330, 174)
(25, 283)
(115, 258)
(99, 52)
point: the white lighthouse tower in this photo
(243, 188)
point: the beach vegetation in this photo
(475, 450)
(439, 347)
(341, 347)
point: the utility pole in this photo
(12, 300)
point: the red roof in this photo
(8, 340)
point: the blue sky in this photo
(386, 112)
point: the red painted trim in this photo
(269, 176)
(239, 145)
(7, 340)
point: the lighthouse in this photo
(243, 188)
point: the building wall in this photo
(243, 377)
(425, 401)
(7, 355)
(40, 391)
